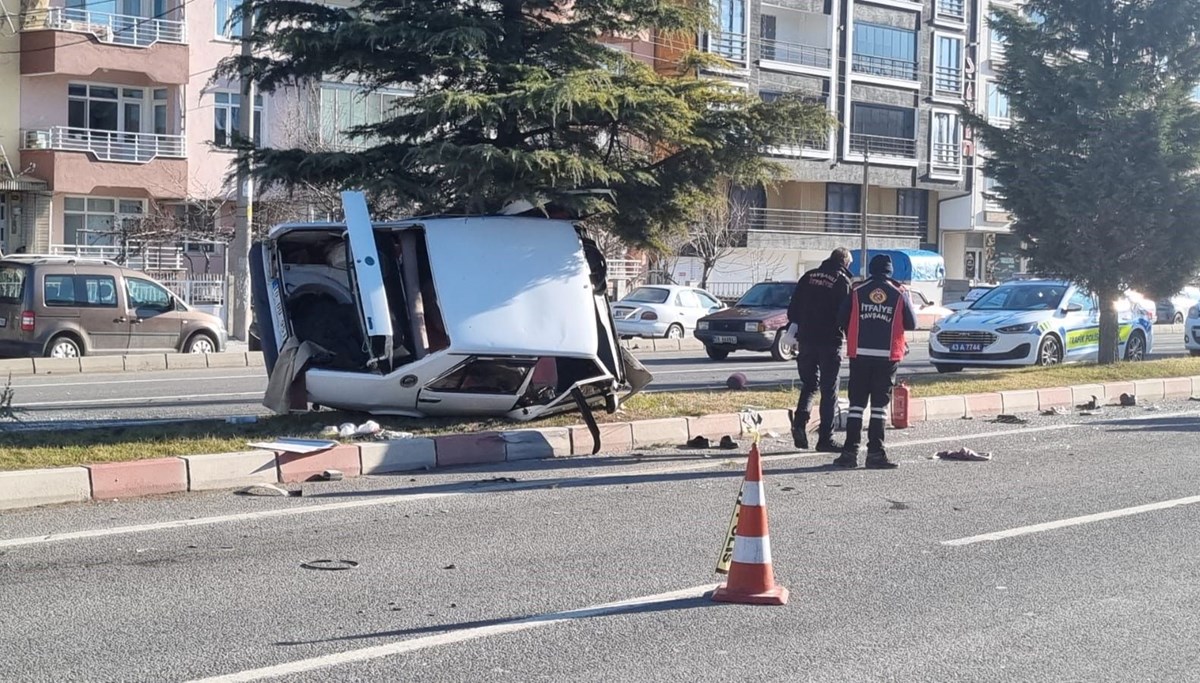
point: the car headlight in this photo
(702, 325)
(935, 329)
(753, 327)
(1194, 312)
(1017, 329)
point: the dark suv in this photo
(65, 307)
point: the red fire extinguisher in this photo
(900, 406)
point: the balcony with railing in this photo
(112, 29)
(106, 145)
(135, 255)
(946, 159)
(955, 10)
(948, 80)
(885, 67)
(78, 160)
(834, 223)
(731, 46)
(883, 146)
(791, 38)
(156, 46)
(795, 54)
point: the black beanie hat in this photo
(881, 265)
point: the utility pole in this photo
(239, 258)
(866, 190)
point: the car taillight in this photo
(649, 315)
(28, 320)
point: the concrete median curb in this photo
(147, 362)
(206, 472)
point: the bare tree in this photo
(719, 228)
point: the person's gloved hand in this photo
(789, 335)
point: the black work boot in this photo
(848, 458)
(878, 460)
(826, 444)
(800, 429)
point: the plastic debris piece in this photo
(389, 435)
(965, 454)
(1128, 400)
(263, 490)
(329, 430)
(329, 565)
(368, 428)
(347, 429)
(1057, 410)
(1010, 420)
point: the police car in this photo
(1034, 322)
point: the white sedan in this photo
(669, 311)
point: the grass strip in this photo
(60, 448)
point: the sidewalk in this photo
(237, 356)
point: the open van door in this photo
(367, 278)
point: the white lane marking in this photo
(532, 484)
(459, 636)
(132, 400)
(174, 380)
(1073, 521)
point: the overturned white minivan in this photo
(494, 315)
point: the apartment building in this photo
(114, 117)
(892, 73)
(975, 236)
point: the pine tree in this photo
(520, 100)
(1098, 166)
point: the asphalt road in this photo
(1069, 557)
(89, 399)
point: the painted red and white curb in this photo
(123, 480)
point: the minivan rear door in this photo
(367, 276)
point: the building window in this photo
(227, 118)
(99, 221)
(228, 26)
(997, 45)
(948, 65)
(344, 107)
(997, 104)
(993, 196)
(105, 107)
(883, 130)
(729, 39)
(946, 146)
(952, 9)
(885, 51)
(914, 204)
(843, 202)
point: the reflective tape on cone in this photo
(752, 550)
(753, 494)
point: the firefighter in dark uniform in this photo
(813, 313)
(875, 316)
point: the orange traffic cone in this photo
(751, 579)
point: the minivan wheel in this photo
(63, 347)
(200, 343)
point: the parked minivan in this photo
(66, 307)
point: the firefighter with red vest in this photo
(875, 316)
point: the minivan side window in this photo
(146, 294)
(89, 291)
(59, 290)
(12, 284)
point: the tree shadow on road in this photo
(572, 615)
(1181, 424)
